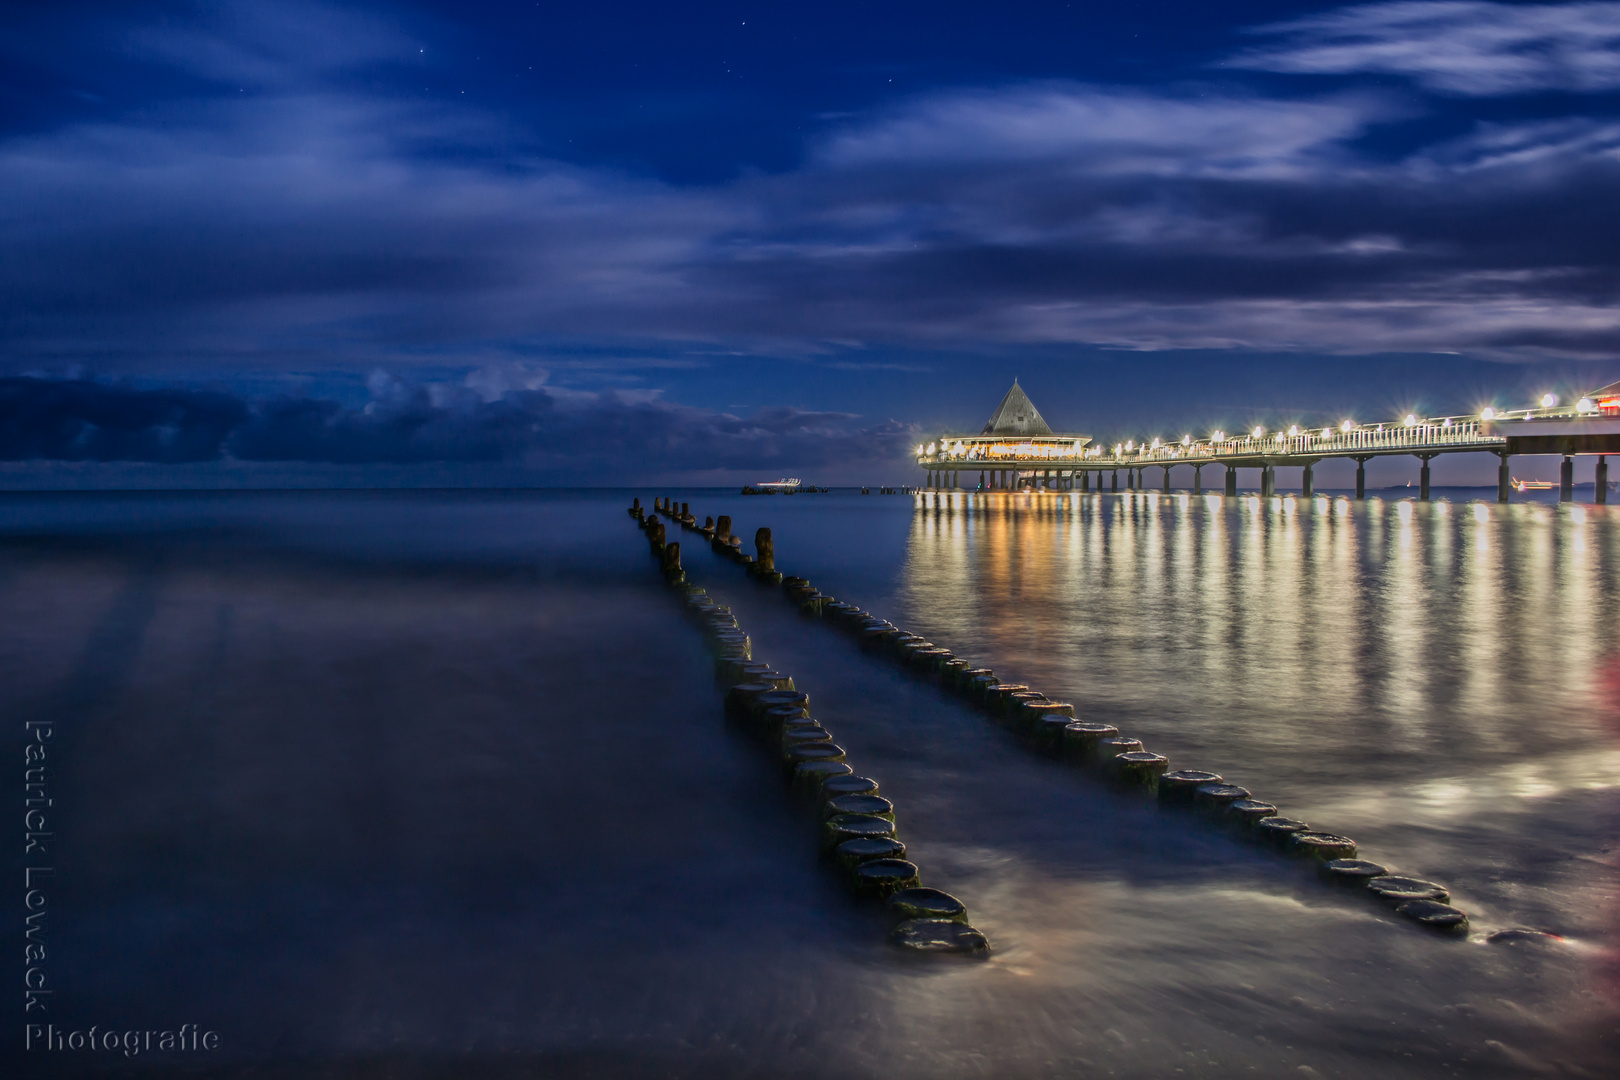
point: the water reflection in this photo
(1310, 652)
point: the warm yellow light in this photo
(1259, 431)
(1346, 425)
(1411, 420)
(1293, 431)
(1488, 414)
(1155, 444)
(1219, 436)
(1584, 405)
(1127, 444)
(1186, 440)
(919, 450)
(1327, 433)
(1549, 400)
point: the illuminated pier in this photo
(1018, 449)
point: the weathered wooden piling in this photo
(836, 830)
(1179, 786)
(884, 877)
(1351, 873)
(1139, 768)
(671, 564)
(874, 805)
(1394, 889)
(925, 904)
(939, 936)
(1323, 846)
(852, 853)
(1435, 915)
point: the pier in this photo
(1018, 450)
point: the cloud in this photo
(1454, 46)
(85, 421)
(1100, 131)
(409, 422)
(311, 227)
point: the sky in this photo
(608, 243)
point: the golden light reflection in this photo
(1274, 648)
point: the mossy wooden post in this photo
(766, 559)
(655, 536)
(673, 574)
(722, 533)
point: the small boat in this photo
(1533, 485)
(773, 487)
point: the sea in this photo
(439, 784)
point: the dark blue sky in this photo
(591, 242)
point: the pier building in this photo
(1018, 449)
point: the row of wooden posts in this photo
(855, 822)
(1052, 728)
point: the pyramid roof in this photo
(1604, 392)
(1016, 415)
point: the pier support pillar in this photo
(1361, 478)
(1167, 479)
(1085, 481)
(1566, 480)
(1198, 479)
(1600, 480)
(1231, 480)
(1307, 482)
(1116, 479)
(1423, 478)
(1504, 480)
(1268, 482)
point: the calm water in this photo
(427, 784)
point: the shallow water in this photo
(437, 784)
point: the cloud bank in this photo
(307, 222)
(1465, 47)
(408, 422)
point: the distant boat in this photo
(1533, 485)
(789, 486)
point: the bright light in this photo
(1117, 449)
(1155, 444)
(1481, 514)
(1259, 431)
(1411, 420)
(1488, 414)
(1584, 405)
(1293, 431)
(1219, 436)
(1548, 400)
(930, 448)
(1127, 444)
(1186, 440)
(1577, 513)
(1345, 425)
(919, 450)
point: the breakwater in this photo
(856, 822)
(1104, 752)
